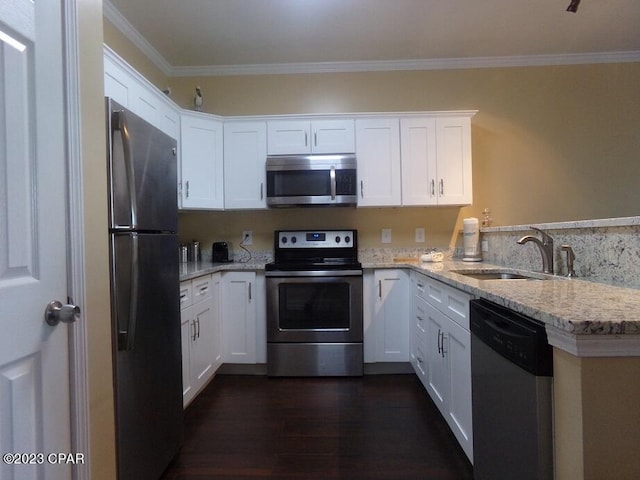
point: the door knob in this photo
(56, 312)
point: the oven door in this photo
(314, 307)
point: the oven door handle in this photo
(315, 273)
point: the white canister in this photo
(471, 240)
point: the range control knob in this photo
(283, 240)
(294, 239)
(338, 239)
(347, 239)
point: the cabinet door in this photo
(392, 315)
(133, 91)
(378, 156)
(459, 416)
(117, 83)
(202, 343)
(453, 138)
(216, 320)
(418, 146)
(437, 383)
(187, 330)
(153, 106)
(202, 177)
(286, 137)
(333, 136)
(245, 151)
(239, 317)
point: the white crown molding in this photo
(418, 64)
(112, 14)
(122, 24)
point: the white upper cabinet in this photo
(418, 146)
(287, 137)
(245, 152)
(201, 159)
(436, 160)
(133, 91)
(453, 143)
(378, 157)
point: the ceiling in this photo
(257, 36)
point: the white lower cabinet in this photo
(441, 352)
(239, 313)
(418, 332)
(200, 328)
(386, 315)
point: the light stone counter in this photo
(583, 318)
(197, 269)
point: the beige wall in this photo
(97, 307)
(208, 227)
(549, 143)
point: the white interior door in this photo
(34, 360)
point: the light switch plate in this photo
(385, 237)
(420, 235)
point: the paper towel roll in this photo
(471, 240)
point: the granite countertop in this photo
(581, 317)
(197, 269)
(569, 307)
(573, 305)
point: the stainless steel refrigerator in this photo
(143, 220)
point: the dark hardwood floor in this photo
(374, 427)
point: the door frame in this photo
(76, 284)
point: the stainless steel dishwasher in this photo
(512, 396)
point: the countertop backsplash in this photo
(606, 251)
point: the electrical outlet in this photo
(247, 237)
(420, 235)
(385, 236)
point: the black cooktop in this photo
(315, 250)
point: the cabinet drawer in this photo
(186, 294)
(420, 319)
(450, 301)
(201, 288)
(420, 365)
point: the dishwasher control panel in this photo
(520, 339)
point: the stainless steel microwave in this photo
(311, 180)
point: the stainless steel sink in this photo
(495, 275)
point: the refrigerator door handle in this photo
(119, 122)
(127, 330)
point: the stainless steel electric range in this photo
(314, 304)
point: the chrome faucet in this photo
(545, 246)
(570, 258)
